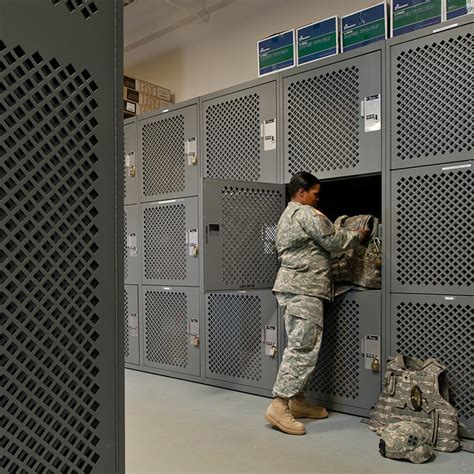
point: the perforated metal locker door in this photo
(240, 331)
(240, 220)
(167, 143)
(324, 130)
(352, 331)
(171, 242)
(130, 168)
(131, 245)
(61, 206)
(233, 144)
(172, 329)
(425, 326)
(432, 79)
(130, 323)
(432, 229)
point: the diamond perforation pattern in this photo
(163, 157)
(324, 122)
(434, 213)
(48, 245)
(337, 372)
(164, 242)
(249, 219)
(166, 339)
(233, 139)
(126, 331)
(86, 7)
(434, 113)
(234, 336)
(445, 332)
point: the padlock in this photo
(273, 350)
(195, 341)
(132, 172)
(375, 366)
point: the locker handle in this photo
(207, 234)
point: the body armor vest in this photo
(417, 390)
(362, 265)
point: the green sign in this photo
(455, 8)
(411, 15)
(276, 53)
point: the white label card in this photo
(193, 241)
(132, 245)
(372, 113)
(371, 349)
(270, 339)
(269, 135)
(194, 327)
(133, 325)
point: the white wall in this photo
(210, 56)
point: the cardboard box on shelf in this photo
(151, 106)
(131, 95)
(152, 89)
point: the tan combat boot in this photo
(278, 415)
(300, 408)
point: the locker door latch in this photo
(190, 150)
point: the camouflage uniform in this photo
(305, 239)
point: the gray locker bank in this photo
(207, 225)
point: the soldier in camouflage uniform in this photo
(305, 239)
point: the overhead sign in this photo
(455, 8)
(364, 27)
(411, 15)
(317, 41)
(276, 53)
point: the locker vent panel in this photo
(166, 328)
(164, 242)
(234, 336)
(49, 227)
(163, 158)
(432, 100)
(233, 139)
(249, 219)
(337, 371)
(434, 214)
(324, 122)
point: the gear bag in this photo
(417, 390)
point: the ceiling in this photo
(147, 20)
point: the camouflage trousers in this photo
(302, 350)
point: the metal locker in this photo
(131, 254)
(61, 283)
(343, 379)
(171, 329)
(240, 133)
(130, 168)
(131, 325)
(332, 116)
(170, 242)
(241, 339)
(431, 83)
(240, 220)
(168, 143)
(441, 327)
(432, 229)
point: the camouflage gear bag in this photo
(417, 390)
(361, 265)
(406, 440)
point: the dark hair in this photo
(302, 180)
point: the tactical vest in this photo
(363, 265)
(417, 390)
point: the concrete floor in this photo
(178, 426)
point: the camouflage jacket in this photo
(305, 239)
